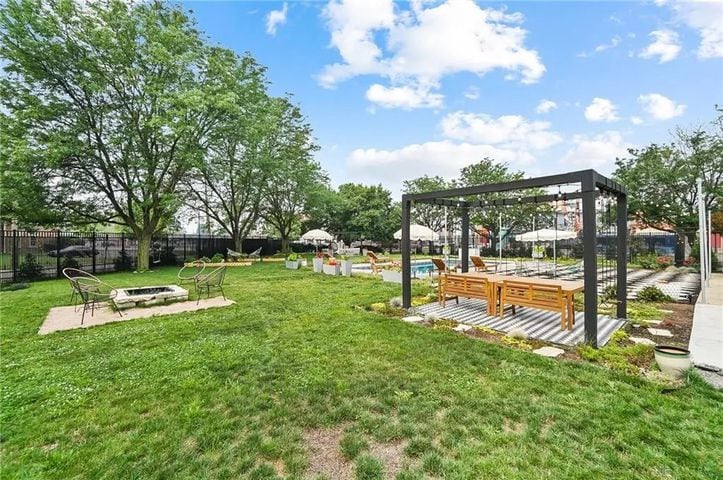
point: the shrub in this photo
(123, 262)
(292, 257)
(217, 258)
(651, 293)
(30, 269)
(70, 262)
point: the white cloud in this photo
(276, 18)
(444, 158)
(660, 107)
(472, 93)
(597, 151)
(665, 46)
(601, 110)
(614, 42)
(636, 120)
(406, 97)
(510, 131)
(545, 106)
(421, 45)
(706, 17)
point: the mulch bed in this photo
(679, 323)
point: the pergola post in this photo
(465, 239)
(589, 240)
(406, 263)
(622, 256)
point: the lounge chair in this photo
(479, 264)
(256, 253)
(212, 280)
(189, 272)
(373, 256)
(234, 254)
(441, 266)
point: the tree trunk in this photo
(284, 243)
(144, 252)
(238, 242)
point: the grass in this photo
(229, 393)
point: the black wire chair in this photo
(73, 274)
(90, 289)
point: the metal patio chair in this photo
(212, 280)
(189, 272)
(73, 274)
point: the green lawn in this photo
(234, 393)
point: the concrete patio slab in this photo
(660, 332)
(642, 340)
(66, 318)
(551, 352)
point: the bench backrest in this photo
(466, 286)
(522, 293)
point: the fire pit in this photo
(147, 296)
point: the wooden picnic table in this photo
(569, 289)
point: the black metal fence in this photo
(32, 255)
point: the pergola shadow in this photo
(591, 184)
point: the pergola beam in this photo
(502, 202)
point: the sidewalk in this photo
(706, 338)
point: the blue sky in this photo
(399, 90)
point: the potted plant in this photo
(538, 251)
(332, 267)
(392, 273)
(346, 266)
(318, 262)
(292, 261)
(672, 361)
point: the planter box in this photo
(318, 264)
(332, 269)
(346, 267)
(391, 276)
(293, 265)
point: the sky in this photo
(397, 90)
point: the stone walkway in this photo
(66, 318)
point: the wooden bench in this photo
(544, 297)
(460, 285)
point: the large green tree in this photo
(228, 182)
(661, 180)
(367, 212)
(432, 216)
(295, 177)
(489, 171)
(108, 105)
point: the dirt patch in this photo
(679, 323)
(510, 426)
(391, 455)
(325, 460)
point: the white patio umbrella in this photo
(547, 235)
(418, 232)
(315, 236)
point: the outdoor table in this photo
(569, 288)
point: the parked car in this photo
(74, 251)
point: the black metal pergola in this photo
(591, 184)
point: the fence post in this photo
(15, 255)
(92, 251)
(57, 254)
(168, 251)
(184, 248)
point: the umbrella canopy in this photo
(317, 235)
(418, 232)
(545, 235)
